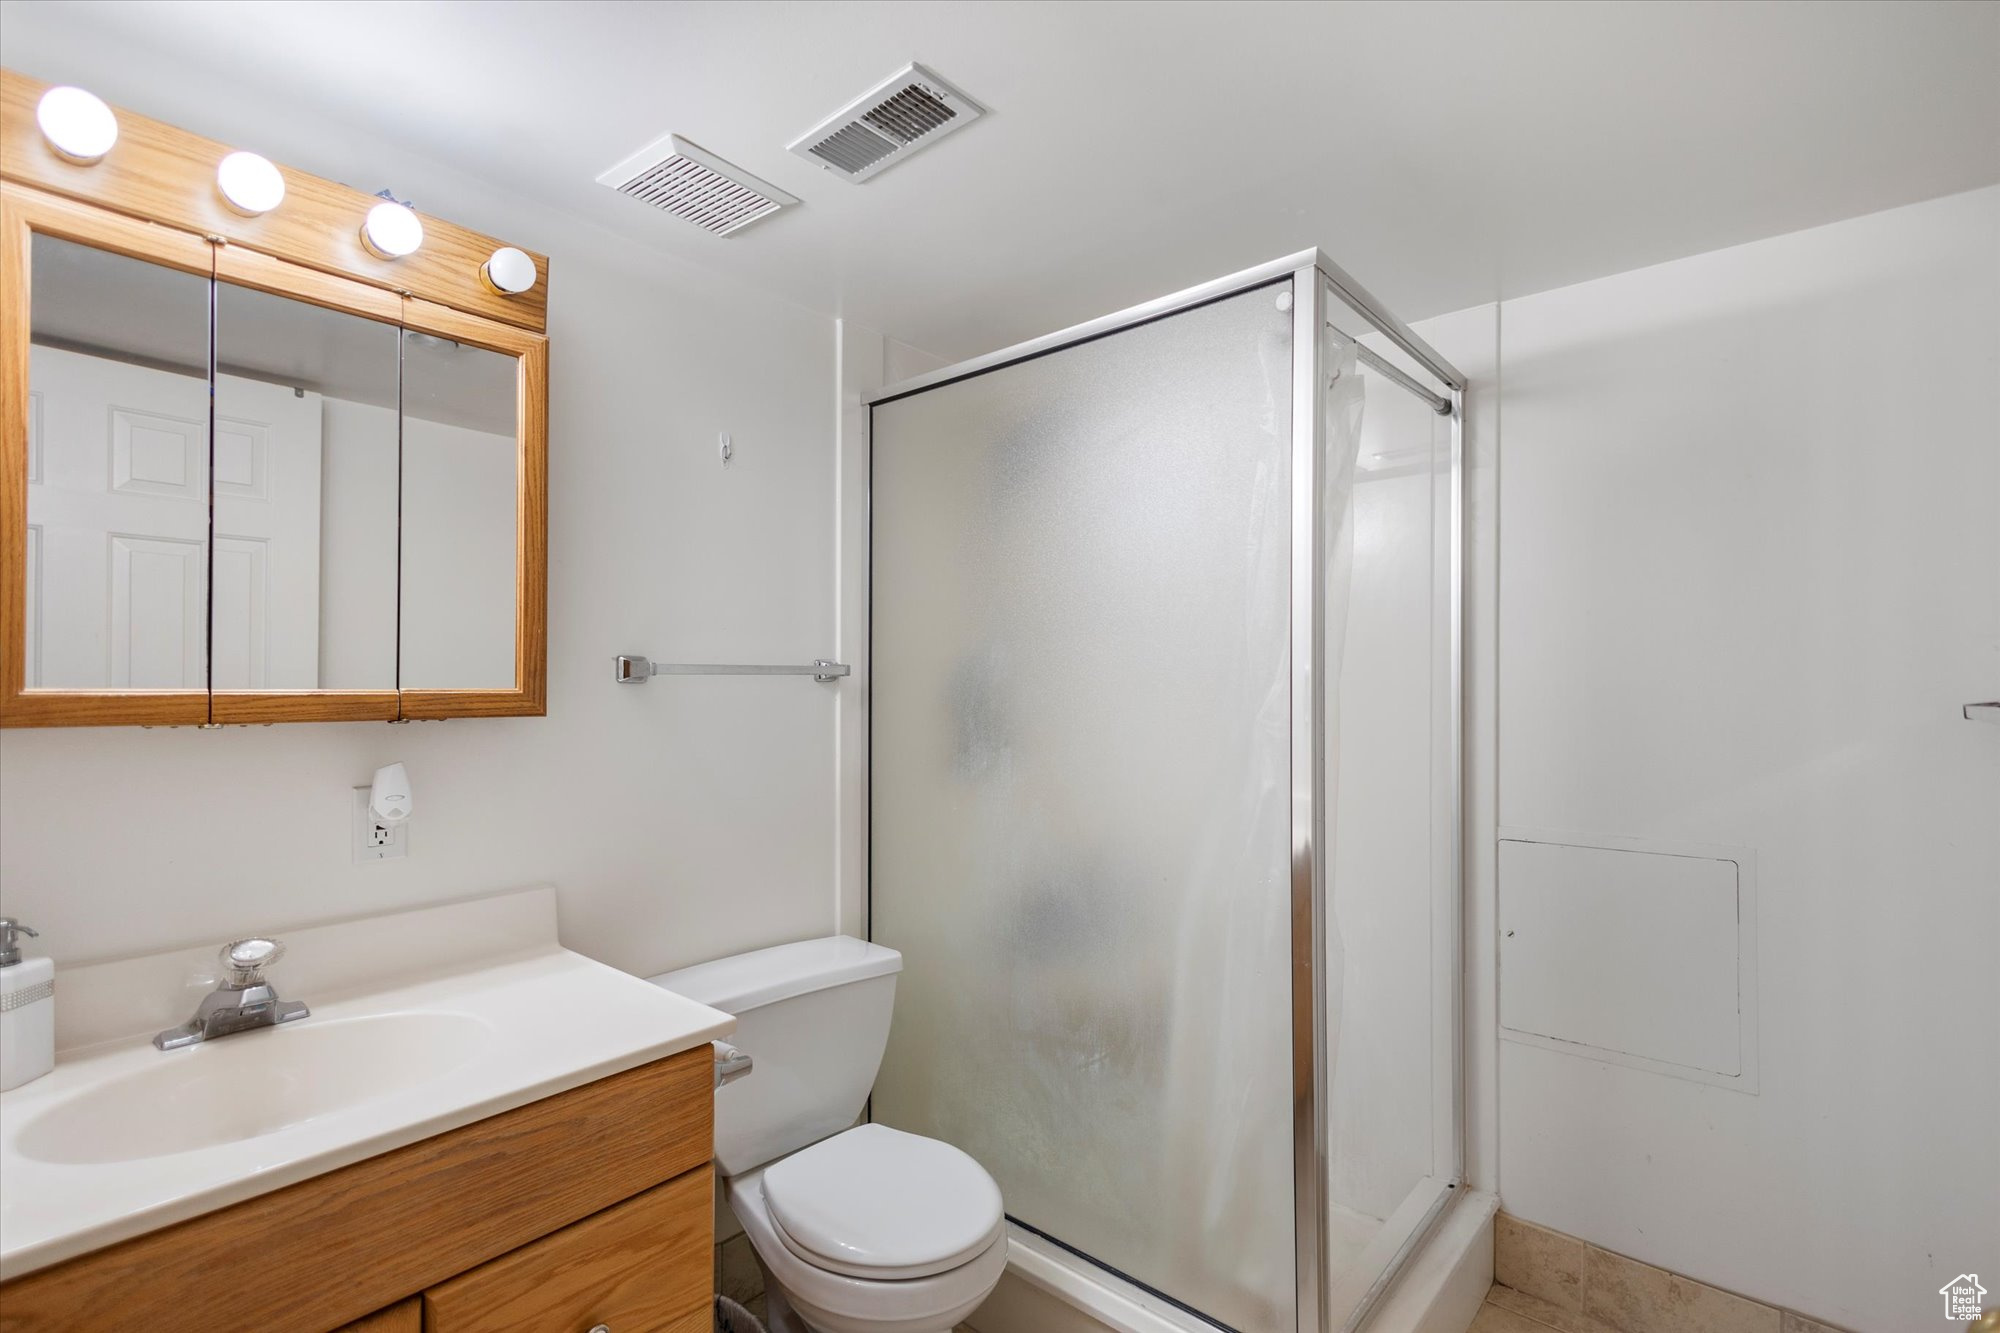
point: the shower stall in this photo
(1163, 792)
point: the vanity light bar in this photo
(185, 181)
(81, 128)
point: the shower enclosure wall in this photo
(1163, 775)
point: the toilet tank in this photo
(814, 1018)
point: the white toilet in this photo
(858, 1228)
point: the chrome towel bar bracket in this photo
(631, 669)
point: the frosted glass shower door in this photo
(1079, 794)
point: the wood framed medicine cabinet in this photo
(252, 471)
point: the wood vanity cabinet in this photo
(593, 1206)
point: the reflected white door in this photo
(117, 524)
(118, 530)
(267, 536)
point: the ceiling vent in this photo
(676, 177)
(900, 116)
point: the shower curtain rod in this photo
(1376, 361)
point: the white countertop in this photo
(535, 1020)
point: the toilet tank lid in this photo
(748, 980)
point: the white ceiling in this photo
(1444, 153)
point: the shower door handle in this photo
(1986, 712)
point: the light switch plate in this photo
(373, 840)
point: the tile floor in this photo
(1508, 1311)
(1546, 1280)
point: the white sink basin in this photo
(249, 1085)
(421, 1022)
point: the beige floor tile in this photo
(1497, 1319)
(1540, 1262)
(1545, 1312)
(1639, 1298)
(737, 1275)
(1791, 1321)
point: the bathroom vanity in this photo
(475, 1129)
(589, 1207)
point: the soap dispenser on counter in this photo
(27, 1010)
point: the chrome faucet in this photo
(240, 1001)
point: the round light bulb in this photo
(391, 231)
(250, 184)
(77, 124)
(509, 271)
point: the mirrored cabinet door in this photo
(306, 478)
(471, 585)
(113, 570)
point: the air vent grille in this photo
(910, 114)
(852, 149)
(677, 177)
(905, 113)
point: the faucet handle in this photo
(247, 959)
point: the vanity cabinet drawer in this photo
(643, 1266)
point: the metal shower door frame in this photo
(1314, 280)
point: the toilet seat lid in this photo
(876, 1202)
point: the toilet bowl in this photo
(912, 1277)
(857, 1228)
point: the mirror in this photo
(242, 490)
(117, 552)
(304, 585)
(461, 480)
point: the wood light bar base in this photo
(163, 174)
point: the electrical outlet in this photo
(374, 840)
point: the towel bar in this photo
(631, 669)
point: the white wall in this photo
(680, 820)
(357, 572)
(868, 361)
(1749, 563)
(456, 587)
(460, 490)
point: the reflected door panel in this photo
(117, 519)
(117, 532)
(267, 523)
